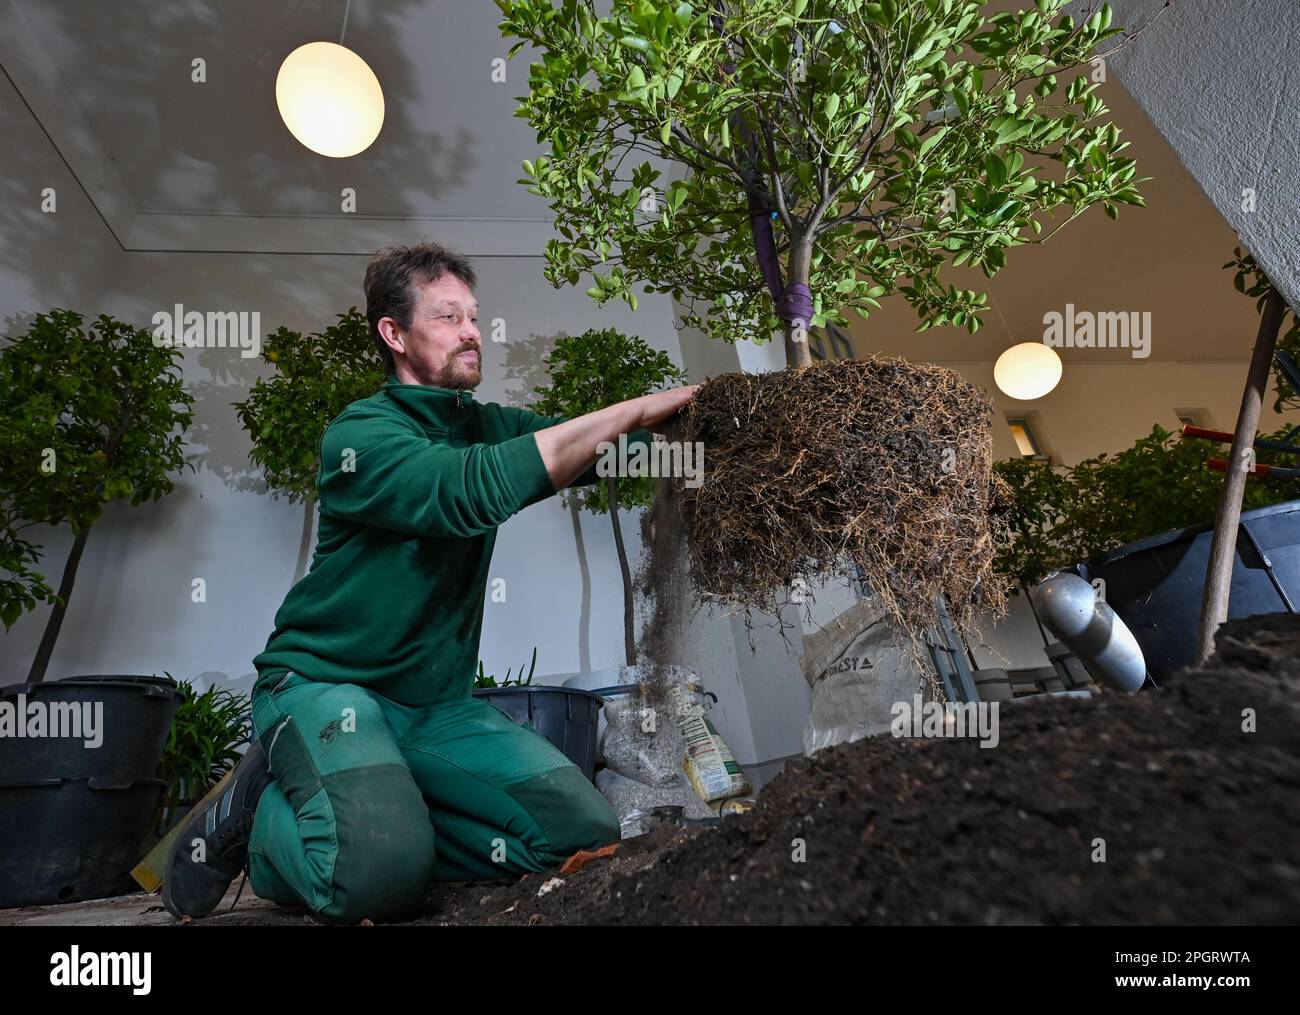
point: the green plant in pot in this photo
(1063, 515)
(96, 413)
(485, 680)
(564, 716)
(597, 369)
(204, 744)
(316, 377)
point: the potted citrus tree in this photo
(96, 414)
(597, 369)
(316, 376)
(830, 154)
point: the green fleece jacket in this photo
(413, 483)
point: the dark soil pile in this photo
(1200, 821)
(875, 463)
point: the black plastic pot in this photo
(137, 715)
(64, 840)
(563, 715)
(75, 817)
(1155, 585)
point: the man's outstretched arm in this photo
(379, 469)
(569, 449)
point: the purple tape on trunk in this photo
(765, 245)
(795, 304)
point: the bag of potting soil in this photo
(710, 766)
(635, 802)
(854, 688)
(641, 744)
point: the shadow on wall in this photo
(216, 440)
(219, 146)
(58, 256)
(525, 365)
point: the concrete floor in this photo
(141, 910)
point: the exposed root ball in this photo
(877, 463)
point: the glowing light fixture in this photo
(1027, 371)
(329, 98)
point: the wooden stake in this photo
(1218, 575)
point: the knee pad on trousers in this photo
(386, 845)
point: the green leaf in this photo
(1010, 128)
(928, 144)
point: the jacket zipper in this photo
(457, 399)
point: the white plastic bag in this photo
(854, 696)
(642, 743)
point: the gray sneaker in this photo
(195, 887)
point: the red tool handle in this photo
(1221, 465)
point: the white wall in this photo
(131, 610)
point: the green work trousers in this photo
(373, 800)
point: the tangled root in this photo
(875, 469)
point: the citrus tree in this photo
(597, 369)
(831, 152)
(316, 377)
(95, 413)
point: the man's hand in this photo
(662, 405)
(568, 449)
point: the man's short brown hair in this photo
(391, 281)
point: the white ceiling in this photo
(172, 164)
(449, 146)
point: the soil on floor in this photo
(1199, 820)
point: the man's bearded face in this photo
(443, 346)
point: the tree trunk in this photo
(52, 626)
(304, 544)
(797, 353)
(1218, 575)
(629, 643)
